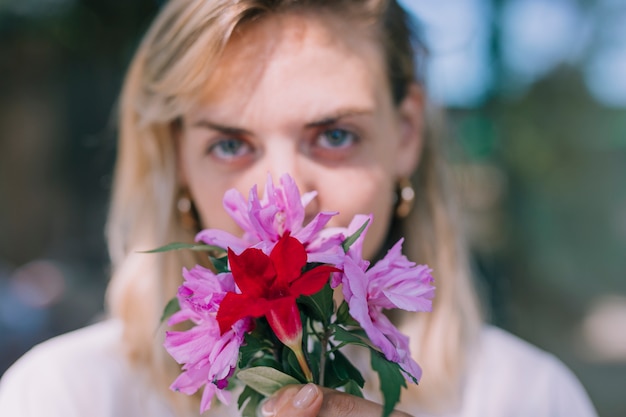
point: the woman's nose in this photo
(285, 158)
(280, 159)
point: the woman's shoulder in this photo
(84, 372)
(97, 345)
(507, 350)
(521, 379)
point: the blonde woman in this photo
(221, 92)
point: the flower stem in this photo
(323, 354)
(304, 365)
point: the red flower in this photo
(270, 286)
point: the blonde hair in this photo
(175, 59)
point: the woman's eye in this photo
(336, 139)
(229, 148)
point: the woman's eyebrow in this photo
(322, 121)
(335, 117)
(229, 130)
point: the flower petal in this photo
(413, 290)
(307, 233)
(284, 318)
(222, 239)
(355, 293)
(253, 271)
(290, 202)
(312, 281)
(190, 381)
(401, 345)
(396, 282)
(191, 345)
(308, 197)
(288, 257)
(235, 307)
(207, 396)
(236, 206)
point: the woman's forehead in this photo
(295, 51)
(295, 80)
(295, 27)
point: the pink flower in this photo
(264, 221)
(208, 356)
(209, 359)
(275, 262)
(393, 282)
(356, 249)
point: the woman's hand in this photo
(313, 401)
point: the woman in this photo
(220, 93)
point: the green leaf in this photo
(345, 370)
(344, 317)
(319, 304)
(251, 399)
(353, 237)
(339, 372)
(253, 348)
(331, 379)
(291, 365)
(314, 356)
(266, 360)
(171, 307)
(391, 381)
(351, 337)
(220, 264)
(265, 380)
(191, 246)
(352, 388)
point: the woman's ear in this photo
(411, 123)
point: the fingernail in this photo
(305, 396)
(268, 407)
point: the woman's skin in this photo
(310, 401)
(304, 94)
(308, 96)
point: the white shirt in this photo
(85, 374)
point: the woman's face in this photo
(305, 95)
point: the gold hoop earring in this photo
(406, 198)
(187, 212)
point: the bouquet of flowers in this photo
(267, 312)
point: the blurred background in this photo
(535, 96)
